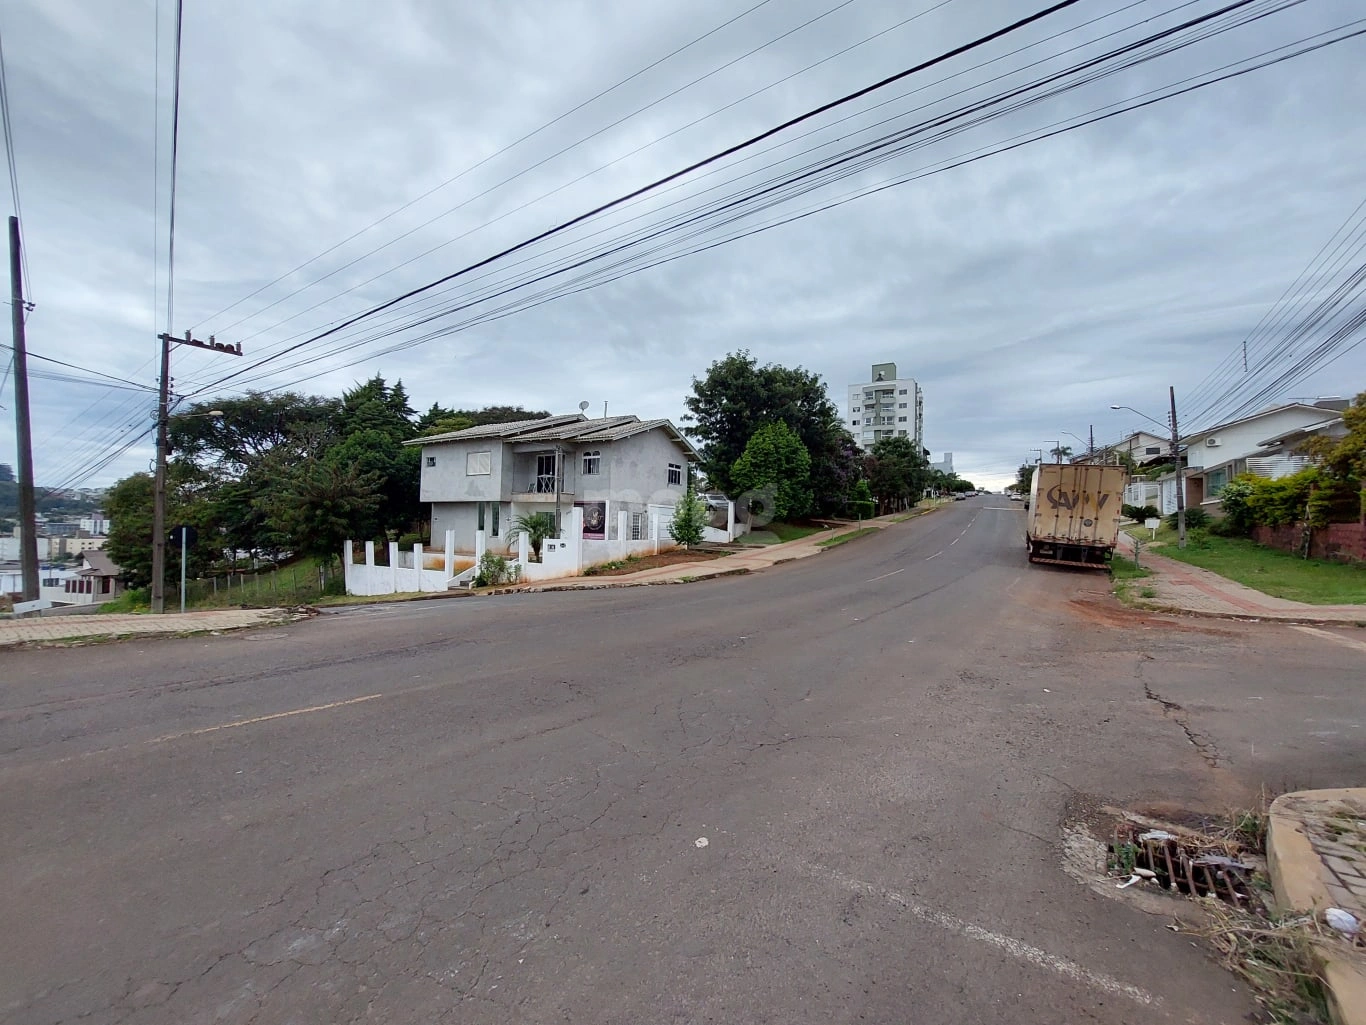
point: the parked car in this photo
(1015, 496)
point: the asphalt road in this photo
(830, 792)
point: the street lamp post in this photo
(1176, 458)
(1080, 439)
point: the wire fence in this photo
(290, 585)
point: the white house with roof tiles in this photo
(619, 471)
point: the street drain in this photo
(1192, 865)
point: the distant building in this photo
(96, 525)
(944, 465)
(886, 406)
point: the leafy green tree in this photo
(439, 419)
(689, 520)
(776, 462)
(1024, 478)
(249, 428)
(537, 527)
(316, 505)
(374, 421)
(898, 473)
(863, 505)
(737, 397)
(1236, 502)
(1061, 452)
(129, 505)
(1345, 457)
(835, 473)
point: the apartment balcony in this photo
(540, 488)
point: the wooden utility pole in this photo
(28, 511)
(1180, 476)
(159, 483)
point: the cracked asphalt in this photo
(831, 792)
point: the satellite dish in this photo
(583, 406)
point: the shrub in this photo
(1226, 527)
(407, 541)
(689, 520)
(1236, 499)
(1198, 537)
(1142, 512)
(1194, 518)
(493, 570)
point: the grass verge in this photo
(1274, 572)
(840, 539)
(791, 531)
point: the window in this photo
(901, 405)
(1215, 482)
(901, 433)
(902, 391)
(495, 519)
(478, 463)
(1152, 450)
(676, 474)
(545, 482)
(868, 394)
(592, 463)
(901, 419)
(431, 460)
(639, 526)
(868, 422)
(480, 524)
(853, 423)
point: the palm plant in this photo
(537, 527)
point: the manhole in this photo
(1197, 866)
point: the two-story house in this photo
(484, 478)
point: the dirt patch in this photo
(673, 558)
(1108, 612)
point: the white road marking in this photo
(955, 540)
(263, 718)
(934, 556)
(1017, 949)
(886, 575)
(1329, 635)
(999, 508)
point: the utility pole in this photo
(1180, 476)
(159, 481)
(1091, 445)
(28, 511)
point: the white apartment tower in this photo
(886, 407)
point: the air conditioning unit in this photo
(1212, 443)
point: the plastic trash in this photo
(1343, 921)
(1156, 834)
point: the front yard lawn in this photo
(839, 539)
(1275, 572)
(792, 531)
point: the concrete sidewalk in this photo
(1316, 854)
(1181, 587)
(728, 565)
(73, 628)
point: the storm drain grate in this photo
(1194, 866)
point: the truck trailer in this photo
(1074, 513)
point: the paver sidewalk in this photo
(1316, 854)
(1181, 587)
(64, 628)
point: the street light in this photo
(1082, 440)
(1176, 458)
(159, 505)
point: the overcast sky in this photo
(1026, 292)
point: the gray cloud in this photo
(1027, 292)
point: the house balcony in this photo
(540, 488)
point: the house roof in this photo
(1318, 410)
(576, 428)
(99, 565)
(1301, 433)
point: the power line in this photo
(1237, 69)
(676, 175)
(13, 167)
(480, 163)
(85, 370)
(920, 128)
(175, 152)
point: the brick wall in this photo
(1341, 542)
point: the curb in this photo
(1296, 879)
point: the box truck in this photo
(1074, 512)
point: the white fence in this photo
(409, 571)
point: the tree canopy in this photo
(736, 397)
(775, 463)
(898, 473)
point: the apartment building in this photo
(886, 406)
